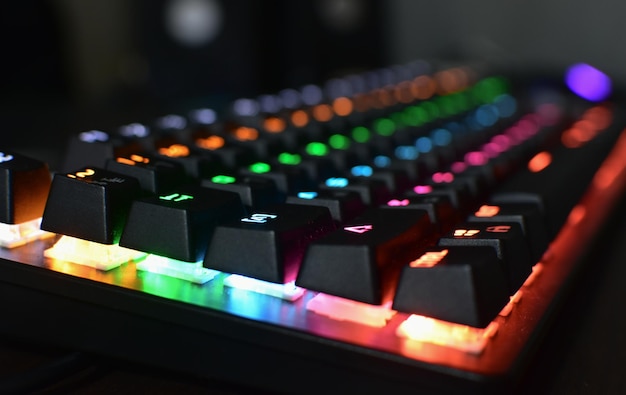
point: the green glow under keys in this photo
(260, 167)
(189, 271)
(289, 159)
(316, 149)
(222, 179)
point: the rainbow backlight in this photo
(307, 195)
(287, 291)
(396, 202)
(336, 182)
(422, 189)
(367, 329)
(349, 310)
(461, 337)
(486, 211)
(540, 161)
(287, 158)
(212, 142)
(189, 271)
(175, 151)
(15, 235)
(88, 253)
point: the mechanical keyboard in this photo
(402, 230)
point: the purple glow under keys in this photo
(475, 158)
(588, 82)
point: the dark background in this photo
(74, 65)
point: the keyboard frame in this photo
(287, 349)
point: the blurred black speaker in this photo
(245, 47)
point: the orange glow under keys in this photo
(100, 256)
(274, 125)
(461, 337)
(342, 106)
(174, 151)
(600, 116)
(322, 112)
(487, 211)
(424, 87)
(244, 133)
(210, 142)
(361, 102)
(539, 162)
(447, 81)
(403, 92)
(299, 118)
(385, 98)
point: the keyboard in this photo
(413, 228)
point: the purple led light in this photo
(588, 82)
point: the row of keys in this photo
(270, 246)
(374, 242)
(387, 234)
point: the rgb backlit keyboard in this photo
(402, 229)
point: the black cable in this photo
(45, 375)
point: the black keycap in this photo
(315, 168)
(90, 204)
(362, 259)
(179, 223)
(440, 211)
(195, 165)
(215, 145)
(94, 148)
(343, 205)
(343, 160)
(170, 125)
(269, 244)
(276, 128)
(465, 285)
(288, 179)
(485, 175)
(24, 186)
(255, 192)
(528, 216)
(154, 175)
(506, 238)
(555, 181)
(395, 180)
(372, 192)
(475, 183)
(250, 138)
(456, 193)
(415, 170)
